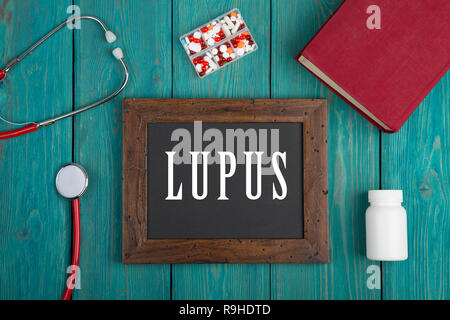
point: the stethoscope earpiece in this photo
(118, 53)
(110, 36)
(71, 181)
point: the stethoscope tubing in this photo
(18, 132)
(35, 126)
(15, 61)
(75, 249)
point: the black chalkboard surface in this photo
(238, 217)
(169, 217)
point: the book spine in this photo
(394, 129)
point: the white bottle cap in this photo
(386, 196)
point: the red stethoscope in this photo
(71, 183)
(71, 180)
(28, 127)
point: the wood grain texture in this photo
(247, 78)
(353, 163)
(137, 248)
(34, 219)
(35, 222)
(417, 160)
(98, 138)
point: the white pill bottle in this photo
(386, 229)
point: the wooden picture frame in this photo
(137, 248)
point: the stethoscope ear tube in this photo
(18, 132)
(117, 53)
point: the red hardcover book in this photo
(383, 59)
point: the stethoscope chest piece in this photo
(71, 181)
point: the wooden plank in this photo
(34, 221)
(144, 31)
(417, 160)
(353, 163)
(246, 78)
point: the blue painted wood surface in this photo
(417, 159)
(97, 73)
(35, 222)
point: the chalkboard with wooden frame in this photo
(151, 235)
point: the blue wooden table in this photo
(74, 68)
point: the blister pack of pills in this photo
(218, 43)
